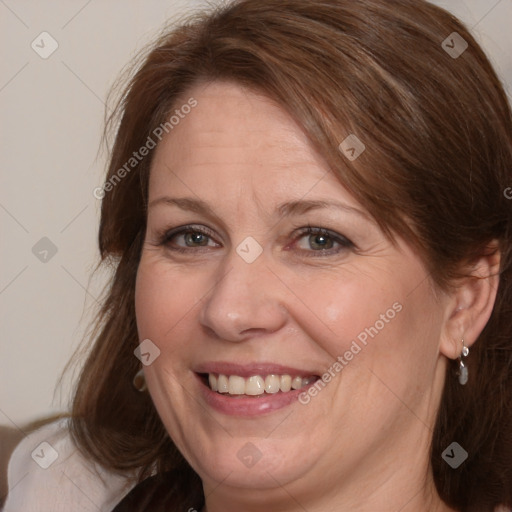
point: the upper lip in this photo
(250, 369)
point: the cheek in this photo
(336, 309)
(372, 323)
(381, 341)
(162, 299)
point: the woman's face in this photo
(257, 262)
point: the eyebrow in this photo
(185, 203)
(303, 206)
(299, 207)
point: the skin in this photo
(363, 442)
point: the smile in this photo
(256, 385)
(253, 388)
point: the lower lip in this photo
(240, 405)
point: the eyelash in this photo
(166, 238)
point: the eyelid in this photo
(313, 230)
(166, 235)
(343, 242)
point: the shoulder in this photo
(47, 472)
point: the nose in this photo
(246, 300)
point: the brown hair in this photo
(438, 137)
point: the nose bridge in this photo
(246, 296)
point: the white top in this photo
(46, 473)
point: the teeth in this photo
(285, 383)
(236, 385)
(272, 383)
(222, 384)
(256, 384)
(212, 380)
(296, 383)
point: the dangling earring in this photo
(463, 370)
(139, 381)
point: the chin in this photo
(254, 463)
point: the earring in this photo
(139, 381)
(463, 370)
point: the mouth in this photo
(255, 386)
(252, 389)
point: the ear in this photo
(470, 303)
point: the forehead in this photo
(235, 141)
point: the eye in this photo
(322, 241)
(186, 238)
(193, 238)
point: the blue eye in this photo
(322, 241)
(192, 238)
(188, 237)
(310, 241)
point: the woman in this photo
(305, 208)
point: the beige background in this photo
(51, 113)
